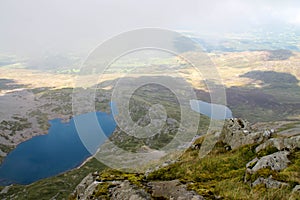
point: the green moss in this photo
(102, 190)
(113, 175)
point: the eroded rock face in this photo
(269, 183)
(276, 161)
(172, 190)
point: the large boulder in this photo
(276, 161)
(238, 132)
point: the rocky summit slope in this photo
(245, 163)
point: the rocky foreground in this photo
(245, 163)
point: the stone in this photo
(172, 190)
(5, 189)
(83, 185)
(89, 190)
(238, 132)
(269, 183)
(171, 121)
(296, 189)
(282, 143)
(276, 161)
(267, 133)
(128, 191)
(292, 142)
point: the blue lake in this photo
(214, 111)
(62, 149)
(47, 155)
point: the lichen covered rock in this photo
(269, 183)
(276, 161)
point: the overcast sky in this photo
(38, 27)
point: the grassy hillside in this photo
(222, 174)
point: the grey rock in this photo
(5, 189)
(276, 161)
(292, 142)
(273, 142)
(296, 189)
(86, 187)
(238, 132)
(267, 133)
(171, 121)
(172, 190)
(269, 183)
(127, 191)
(281, 143)
(89, 190)
(81, 187)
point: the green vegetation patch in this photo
(42, 119)
(17, 124)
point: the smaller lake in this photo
(48, 155)
(214, 111)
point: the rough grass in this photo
(222, 173)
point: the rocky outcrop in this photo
(276, 161)
(269, 183)
(238, 132)
(125, 190)
(156, 190)
(281, 143)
